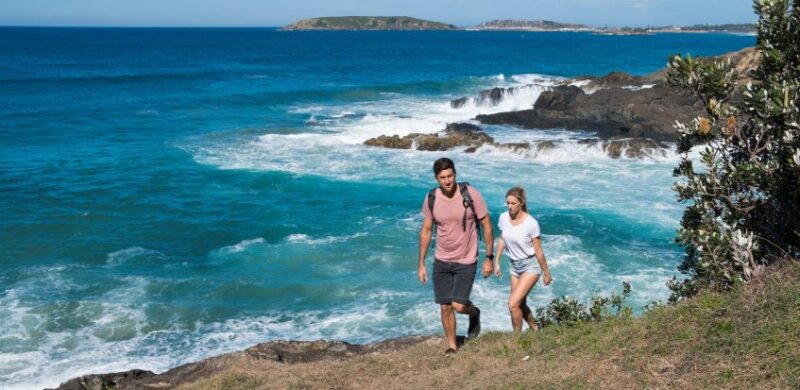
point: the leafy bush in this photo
(568, 311)
(743, 205)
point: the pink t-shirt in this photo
(452, 242)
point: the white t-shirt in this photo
(519, 238)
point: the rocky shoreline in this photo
(288, 352)
(629, 116)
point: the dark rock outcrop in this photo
(614, 80)
(488, 97)
(632, 148)
(616, 112)
(458, 103)
(118, 380)
(493, 96)
(280, 351)
(559, 98)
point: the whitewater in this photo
(173, 194)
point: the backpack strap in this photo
(468, 203)
(431, 201)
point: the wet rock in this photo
(493, 96)
(558, 98)
(487, 97)
(614, 80)
(289, 352)
(453, 136)
(632, 148)
(611, 113)
(545, 145)
(118, 380)
(451, 127)
(458, 103)
(390, 141)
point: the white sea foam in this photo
(305, 239)
(638, 87)
(242, 245)
(133, 252)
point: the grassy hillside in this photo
(368, 23)
(747, 339)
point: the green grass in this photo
(748, 338)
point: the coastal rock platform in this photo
(288, 352)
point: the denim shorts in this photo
(529, 265)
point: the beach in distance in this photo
(172, 194)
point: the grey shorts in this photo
(529, 265)
(452, 282)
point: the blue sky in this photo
(282, 12)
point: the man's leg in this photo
(449, 325)
(462, 287)
(443, 291)
(469, 308)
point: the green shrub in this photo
(743, 204)
(568, 311)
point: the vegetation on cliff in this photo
(743, 204)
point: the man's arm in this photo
(488, 239)
(425, 234)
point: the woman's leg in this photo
(527, 314)
(520, 287)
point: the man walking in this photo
(456, 209)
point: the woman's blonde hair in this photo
(519, 193)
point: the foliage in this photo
(743, 203)
(568, 311)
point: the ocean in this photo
(172, 194)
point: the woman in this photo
(520, 240)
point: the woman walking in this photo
(520, 240)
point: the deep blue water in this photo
(170, 194)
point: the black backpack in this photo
(463, 187)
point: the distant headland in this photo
(409, 23)
(368, 23)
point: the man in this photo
(456, 255)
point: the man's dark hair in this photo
(442, 164)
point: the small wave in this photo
(574, 150)
(536, 79)
(242, 246)
(133, 252)
(305, 239)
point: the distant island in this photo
(409, 23)
(368, 23)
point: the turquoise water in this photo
(171, 194)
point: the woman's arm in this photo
(501, 245)
(537, 246)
